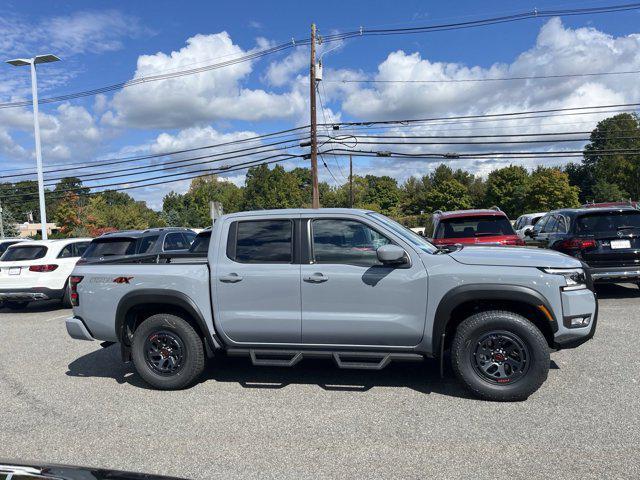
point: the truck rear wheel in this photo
(167, 352)
(500, 356)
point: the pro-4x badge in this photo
(122, 279)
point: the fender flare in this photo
(465, 293)
(151, 296)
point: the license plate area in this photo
(14, 270)
(617, 244)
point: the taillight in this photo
(516, 241)
(74, 280)
(577, 244)
(42, 268)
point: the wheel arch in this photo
(138, 305)
(463, 301)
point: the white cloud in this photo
(79, 32)
(200, 98)
(281, 72)
(68, 133)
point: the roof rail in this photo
(496, 208)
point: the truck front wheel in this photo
(500, 356)
(167, 352)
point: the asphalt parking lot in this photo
(68, 401)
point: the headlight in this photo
(575, 277)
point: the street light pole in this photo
(19, 62)
(36, 134)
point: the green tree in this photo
(607, 192)
(548, 189)
(9, 223)
(447, 195)
(271, 188)
(507, 188)
(620, 132)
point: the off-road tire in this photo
(474, 328)
(66, 297)
(193, 359)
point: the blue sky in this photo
(107, 42)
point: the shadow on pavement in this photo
(422, 377)
(42, 306)
(617, 290)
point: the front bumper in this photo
(577, 303)
(30, 294)
(615, 274)
(77, 329)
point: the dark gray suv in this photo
(138, 242)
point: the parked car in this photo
(7, 242)
(489, 226)
(628, 203)
(200, 244)
(20, 470)
(606, 239)
(38, 270)
(526, 222)
(351, 285)
(138, 242)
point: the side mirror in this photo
(530, 232)
(391, 255)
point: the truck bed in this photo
(104, 286)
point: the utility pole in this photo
(32, 62)
(315, 195)
(350, 181)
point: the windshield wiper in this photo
(486, 234)
(626, 227)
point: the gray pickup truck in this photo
(352, 285)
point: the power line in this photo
(484, 116)
(129, 184)
(119, 160)
(489, 79)
(483, 22)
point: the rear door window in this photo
(109, 247)
(67, 251)
(201, 243)
(26, 252)
(146, 244)
(189, 237)
(261, 241)
(175, 241)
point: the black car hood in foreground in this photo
(32, 471)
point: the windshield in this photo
(31, 252)
(608, 221)
(109, 247)
(406, 234)
(465, 227)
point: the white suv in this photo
(38, 270)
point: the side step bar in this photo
(354, 360)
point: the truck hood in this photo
(513, 257)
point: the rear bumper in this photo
(77, 329)
(615, 274)
(30, 294)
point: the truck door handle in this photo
(231, 278)
(316, 278)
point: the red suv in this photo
(473, 227)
